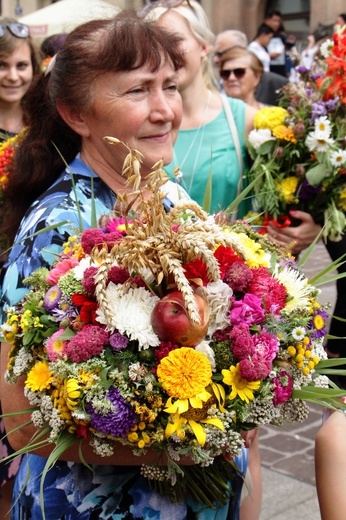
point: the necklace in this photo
(180, 164)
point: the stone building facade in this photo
(300, 16)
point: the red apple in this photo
(171, 322)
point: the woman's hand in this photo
(249, 436)
(296, 238)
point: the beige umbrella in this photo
(65, 15)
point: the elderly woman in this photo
(112, 77)
(102, 83)
(241, 71)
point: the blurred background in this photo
(300, 17)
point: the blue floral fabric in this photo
(71, 490)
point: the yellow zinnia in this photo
(287, 188)
(270, 117)
(40, 377)
(184, 373)
(240, 386)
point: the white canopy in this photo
(65, 15)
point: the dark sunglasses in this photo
(238, 73)
(142, 13)
(17, 29)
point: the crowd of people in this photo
(181, 94)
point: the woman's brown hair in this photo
(122, 43)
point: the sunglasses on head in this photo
(17, 29)
(238, 73)
(142, 13)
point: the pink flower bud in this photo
(299, 128)
(300, 170)
(279, 152)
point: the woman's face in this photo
(238, 85)
(192, 49)
(15, 74)
(141, 108)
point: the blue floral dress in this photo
(71, 490)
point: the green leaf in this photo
(208, 193)
(65, 441)
(315, 175)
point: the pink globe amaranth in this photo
(171, 322)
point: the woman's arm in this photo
(249, 117)
(330, 467)
(13, 400)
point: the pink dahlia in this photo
(283, 387)
(264, 285)
(118, 275)
(87, 343)
(238, 276)
(88, 281)
(226, 257)
(266, 344)
(60, 269)
(242, 344)
(255, 368)
(249, 310)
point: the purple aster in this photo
(331, 104)
(318, 323)
(52, 298)
(117, 341)
(117, 423)
(318, 109)
(306, 191)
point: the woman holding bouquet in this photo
(113, 77)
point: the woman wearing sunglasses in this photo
(241, 71)
(210, 149)
(18, 63)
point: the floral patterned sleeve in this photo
(49, 222)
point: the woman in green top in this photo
(205, 147)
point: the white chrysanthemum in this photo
(338, 157)
(205, 349)
(326, 47)
(84, 263)
(130, 314)
(258, 137)
(297, 287)
(322, 127)
(318, 143)
(218, 296)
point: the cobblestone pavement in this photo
(287, 453)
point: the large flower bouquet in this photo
(300, 146)
(168, 331)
